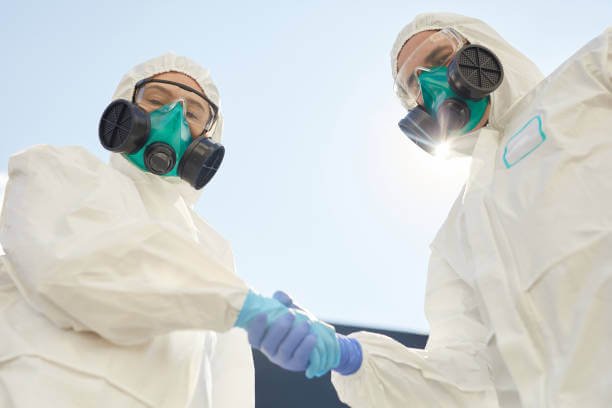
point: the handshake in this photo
(294, 339)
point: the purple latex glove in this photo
(351, 355)
(286, 344)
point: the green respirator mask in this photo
(454, 98)
(160, 142)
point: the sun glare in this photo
(442, 151)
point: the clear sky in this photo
(320, 193)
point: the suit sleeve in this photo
(453, 369)
(233, 372)
(84, 251)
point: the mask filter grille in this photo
(475, 72)
(116, 125)
(124, 127)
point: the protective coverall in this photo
(519, 286)
(111, 283)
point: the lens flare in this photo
(442, 150)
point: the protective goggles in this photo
(201, 113)
(437, 50)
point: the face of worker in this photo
(154, 95)
(420, 59)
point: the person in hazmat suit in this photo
(113, 291)
(519, 287)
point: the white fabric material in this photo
(519, 286)
(110, 286)
(520, 73)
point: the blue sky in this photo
(320, 194)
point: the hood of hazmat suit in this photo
(113, 284)
(518, 292)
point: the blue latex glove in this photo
(323, 357)
(351, 355)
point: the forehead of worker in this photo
(177, 92)
(413, 43)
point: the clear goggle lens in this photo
(200, 112)
(437, 50)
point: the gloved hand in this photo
(351, 355)
(291, 332)
(286, 344)
(282, 336)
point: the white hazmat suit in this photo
(111, 281)
(519, 287)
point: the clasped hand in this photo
(290, 337)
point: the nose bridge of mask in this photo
(176, 107)
(181, 101)
(169, 126)
(435, 89)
